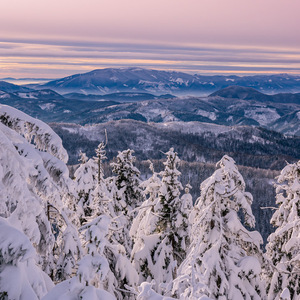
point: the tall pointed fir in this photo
(143, 228)
(171, 249)
(85, 180)
(126, 194)
(157, 253)
(120, 272)
(283, 248)
(101, 202)
(224, 259)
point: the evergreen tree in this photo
(102, 203)
(283, 248)
(92, 281)
(182, 222)
(162, 239)
(127, 182)
(92, 190)
(126, 194)
(117, 269)
(69, 250)
(86, 182)
(173, 220)
(144, 226)
(224, 259)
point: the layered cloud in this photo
(39, 58)
(58, 38)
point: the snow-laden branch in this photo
(34, 131)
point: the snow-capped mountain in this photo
(105, 81)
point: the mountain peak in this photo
(240, 92)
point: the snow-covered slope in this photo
(288, 124)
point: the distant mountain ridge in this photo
(247, 93)
(110, 80)
(230, 106)
(12, 88)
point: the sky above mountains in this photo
(62, 37)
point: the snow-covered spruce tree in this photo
(20, 277)
(144, 226)
(126, 194)
(224, 259)
(91, 280)
(283, 248)
(96, 274)
(102, 203)
(34, 181)
(127, 181)
(95, 233)
(121, 272)
(173, 221)
(159, 250)
(93, 196)
(86, 182)
(68, 252)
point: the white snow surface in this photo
(147, 293)
(72, 289)
(262, 115)
(36, 131)
(19, 267)
(47, 106)
(208, 114)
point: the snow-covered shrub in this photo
(20, 277)
(34, 181)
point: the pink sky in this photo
(43, 38)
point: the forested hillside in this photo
(194, 142)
